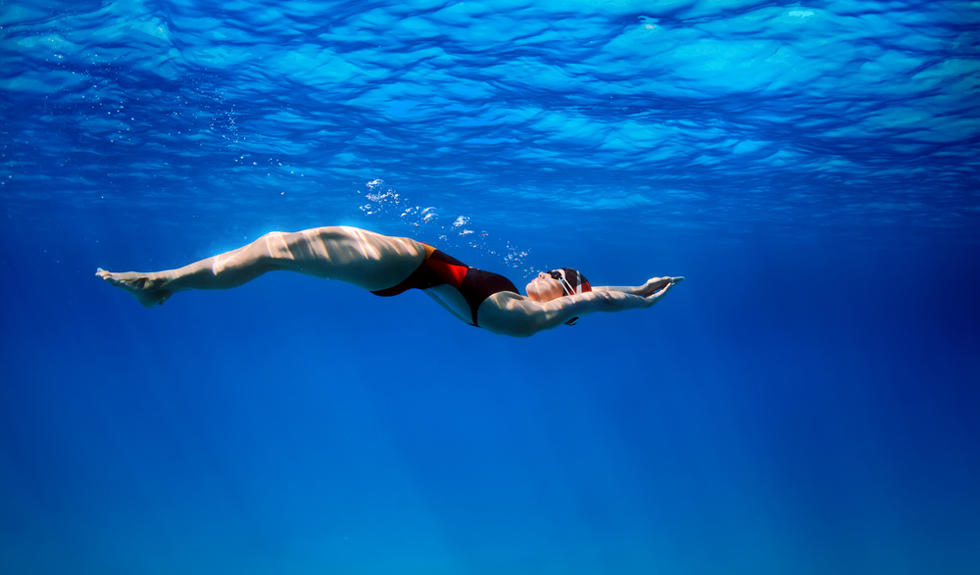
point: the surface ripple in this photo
(683, 113)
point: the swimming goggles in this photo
(559, 276)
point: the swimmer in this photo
(388, 266)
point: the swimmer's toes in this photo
(116, 279)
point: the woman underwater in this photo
(388, 266)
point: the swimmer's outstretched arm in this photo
(651, 286)
(522, 317)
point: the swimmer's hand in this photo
(654, 285)
(661, 287)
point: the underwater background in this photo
(806, 402)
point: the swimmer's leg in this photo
(351, 255)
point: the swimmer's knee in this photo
(272, 247)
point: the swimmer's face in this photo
(544, 288)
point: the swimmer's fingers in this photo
(654, 284)
(677, 279)
(655, 296)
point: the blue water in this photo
(806, 402)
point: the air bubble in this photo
(384, 201)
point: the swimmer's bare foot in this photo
(147, 288)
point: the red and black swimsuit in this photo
(440, 269)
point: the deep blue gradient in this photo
(806, 402)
